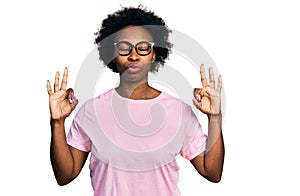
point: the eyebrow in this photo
(133, 43)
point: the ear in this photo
(153, 57)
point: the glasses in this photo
(142, 48)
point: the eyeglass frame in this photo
(134, 46)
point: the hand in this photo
(61, 101)
(208, 98)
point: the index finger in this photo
(64, 79)
(202, 75)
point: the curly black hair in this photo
(131, 16)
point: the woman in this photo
(134, 132)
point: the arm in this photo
(66, 161)
(210, 163)
(208, 100)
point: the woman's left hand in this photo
(208, 98)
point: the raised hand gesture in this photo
(61, 101)
(208, 98)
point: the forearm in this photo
(60, 154)
(214, 155)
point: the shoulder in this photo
(166, 97)
(89, 105)
(173, 103)
(99, 98)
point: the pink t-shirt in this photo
(134, 143)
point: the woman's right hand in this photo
(61, 102)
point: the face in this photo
(134, 67)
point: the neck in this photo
(135, 91)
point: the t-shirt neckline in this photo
(115, 93)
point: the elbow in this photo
(63, 181)
(63, 178)
(214, 177)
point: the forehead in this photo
(134, 34)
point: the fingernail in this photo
(198, 97)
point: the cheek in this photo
(119, 60)
(148, 59)
(117, 64)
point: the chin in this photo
(134, 77)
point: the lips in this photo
(133, 68)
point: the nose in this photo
(133, 56)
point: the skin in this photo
(135, 86)
(67, 161)
(210, 163)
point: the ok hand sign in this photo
(208, 98)
(61, 101)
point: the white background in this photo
(255, 45)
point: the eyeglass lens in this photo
(142, 48)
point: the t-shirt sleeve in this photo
(195, 140)
(76, 136)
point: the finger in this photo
(219, 83)
(211, 77)
(64, 80)
(197, 94)
(199, 105)
(74, 103)
(71, 97)
(56, 86)
(196, 103)
(49, 88)
(70, 93)
(203, 91)
(202, 75)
